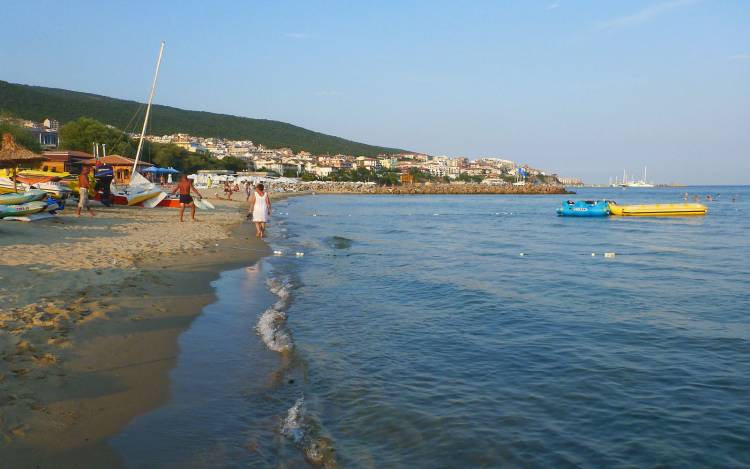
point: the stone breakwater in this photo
(438, 189)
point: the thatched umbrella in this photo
(11, 155)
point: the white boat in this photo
(643, 183)
(53, 188)
(140, 189)
(639, 184)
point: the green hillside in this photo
(37, 103)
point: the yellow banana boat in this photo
(657, 210)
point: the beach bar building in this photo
(68, 161)
(121, 167)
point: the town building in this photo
(64, 161)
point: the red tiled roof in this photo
(120, 160)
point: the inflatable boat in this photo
(657, 210)
(584, 208)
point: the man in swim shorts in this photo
(186, 200)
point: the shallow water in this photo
(424, 338)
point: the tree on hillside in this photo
(164, 155)
(233, 164)
(83, 132)
(22, 136)
(36, 103)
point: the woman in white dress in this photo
(261, 209)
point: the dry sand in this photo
(90, 312)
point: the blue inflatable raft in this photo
(584, 208)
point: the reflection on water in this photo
(229, 393)
(422, 338)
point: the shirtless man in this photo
(186, 200)
(83, 191)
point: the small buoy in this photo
(609, 255)
(593, 254)
(277, 253)
(521, 254)
(299, 254)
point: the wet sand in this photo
(90, 315)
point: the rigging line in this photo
(123, 133)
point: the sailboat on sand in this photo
(140, 189)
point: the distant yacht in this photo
(642, 183)
(625, 183)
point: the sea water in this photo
(471, 331)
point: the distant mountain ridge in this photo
(37, 102)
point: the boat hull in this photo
(22, 209)
(658, 210)
(22, 197)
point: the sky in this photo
(579, 88)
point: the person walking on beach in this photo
(83, 192)
(249, 189)
(260, 207)
(186, 200)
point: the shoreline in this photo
(418, 189)
(100, 337)
(104, 354)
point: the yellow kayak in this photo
(657, 210)
(34, 173)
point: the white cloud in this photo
(740, 57)
(552, 6)
(646, 14)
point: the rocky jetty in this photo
(416, 189)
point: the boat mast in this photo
(148, 109)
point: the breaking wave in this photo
(271, 326)
(302, 429)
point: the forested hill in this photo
(37, 103)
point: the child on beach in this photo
(260, 208)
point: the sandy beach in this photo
(90, 315)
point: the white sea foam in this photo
(294, 423)
(304, 431)
(279, 286)
(272, 323)
(271, 330)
